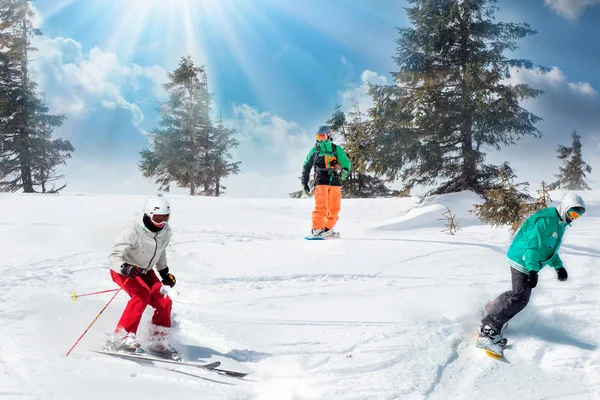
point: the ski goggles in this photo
(321, 137)
(573, 213)
(160, 219)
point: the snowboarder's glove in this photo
(167, 278)
(130, 271)
(562, 274)
(345, 174)
(306, 189)
(533, 279)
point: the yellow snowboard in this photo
(491, 349)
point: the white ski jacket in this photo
(139, 246)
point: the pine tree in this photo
(573, 171)
(29, 157)
(50, 154)
(355, 136)
(507, 204)
(450, 101)
(187, 147)
(543, 198)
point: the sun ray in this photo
(230, 31)
(127, 33)
(192, 47)
(57, 8)
(250, 52)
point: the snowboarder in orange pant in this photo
(331, 166)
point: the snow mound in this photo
(427, 214)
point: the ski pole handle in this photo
(97, 316)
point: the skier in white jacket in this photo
(140, 246)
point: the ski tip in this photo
(313, 238)
(234, 374)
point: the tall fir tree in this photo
(187, 147)
(449, 101)
(573, 172)
(29, 157)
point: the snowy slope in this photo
(387, 312)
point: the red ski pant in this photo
(328, 202)
(144, 290)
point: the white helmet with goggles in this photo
(158, 208)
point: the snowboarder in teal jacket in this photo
(534, 247)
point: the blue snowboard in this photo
(336, 235)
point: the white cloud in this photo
(73, 81)
(111, 105)
(272, 151)
(360, 92)
(554, 80)
(571, 9)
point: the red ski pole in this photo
(97, 316)
(75, 296)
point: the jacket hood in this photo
(569, 201)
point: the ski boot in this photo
(317, 233)
(163, 351)
(125, 342)
(330, 233)
(495, 336)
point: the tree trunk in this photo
(25, 155)
(469, 155)
(218, 188)
(469, 174)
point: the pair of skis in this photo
(213, 366)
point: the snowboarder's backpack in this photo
(330, 161)
(329, 157)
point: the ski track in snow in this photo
(389, 311)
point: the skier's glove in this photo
(130, 271)
(533, 279)
(306, 189)
(167, 278)
(345, 174)
(562, 274)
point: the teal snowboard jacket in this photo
(539, 238)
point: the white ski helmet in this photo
(157, 204)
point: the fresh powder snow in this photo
(388, 311)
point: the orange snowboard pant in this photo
(328, 201)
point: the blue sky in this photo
(277, 69)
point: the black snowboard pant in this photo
(509, 303)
